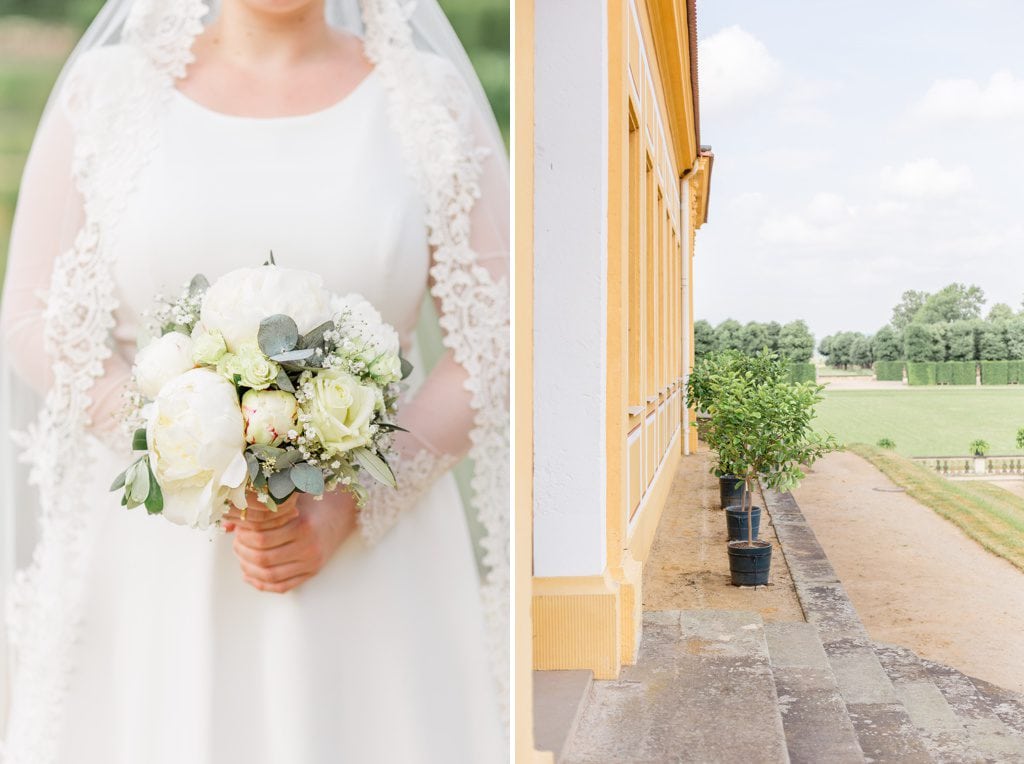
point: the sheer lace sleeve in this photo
(469, 284)
(49, 225)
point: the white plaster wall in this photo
(684, 237)
(570, 287)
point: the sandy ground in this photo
(916, 579)
(689, 568)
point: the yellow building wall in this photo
(595, 621)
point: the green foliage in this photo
(992, 345)
(886, 443)
(845, 349)
(889, 371)
(802, 372)
(995, 373)
(1020, 438)
(728, 335)
(955, 302)
(962, 372)
(979, 447)
(796, 342)
(887, 345)
(1014, 372)
(753, 338)
(962, 340)
(999, 312)
(920, 373)
(924, 342)
(1013, 331)
(910, 303)
(762, 429)
(703, 338)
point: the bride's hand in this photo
(279, 550)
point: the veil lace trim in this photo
(47, 598)
(431, 112)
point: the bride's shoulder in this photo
(104, 73)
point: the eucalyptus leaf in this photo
(307, 478)
(138, 482)
(119, 481)
(406, 367)
(284, 382)
(139, 442)
(253, 464)
(287, 460)
(198, 284)
(265, 452)
(281, 485)
(391, 427)
(315, 337)
(278, 334)
(155, 499)
(377, 467)
(292, 356)
(259, 483)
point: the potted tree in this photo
(980, 450)
(762, 429)
(702, 388)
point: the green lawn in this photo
(933, 421)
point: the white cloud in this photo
(966, 99)
(824, 222)
(736, 70)
(926, 179)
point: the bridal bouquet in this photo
(262, 381)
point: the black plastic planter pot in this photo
(736, 522)
(750, 565)
(730, 490)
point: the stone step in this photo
(559, 698)
(992, 716)
(941, 729)
(814, 717)
(702, 690)
(884, 728)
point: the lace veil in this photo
(59, 373)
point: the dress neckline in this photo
(286, 118)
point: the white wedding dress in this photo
(381, 657)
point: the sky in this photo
(861, 150)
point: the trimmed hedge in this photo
(889, 371)
(963, 372)
(995, 372)
(803, 372)
(943, 373)
(921, 372)
(1015, 372)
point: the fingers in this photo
(258, 515)
(270, 537)
(277, 574)
(280, 587)
(292, 551)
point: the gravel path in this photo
(916, 579)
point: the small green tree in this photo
(762, 430)
(887, 345)
(703, 338)
(979, 447)
(1020, 438)
(886, 443)
(796, 343)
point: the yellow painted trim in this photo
(641, 536)
(522, 486)
(576, 624)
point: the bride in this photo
(351, 138)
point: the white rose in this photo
(196, 442)
(340, 410)
(269, 415)
(387, 368)
(256, 370)
(237, 302)
(207, 346)
(162, 360)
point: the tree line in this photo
(943, 326)
(792, 341)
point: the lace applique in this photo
(166, 30)
(384, 506)
(431, 112)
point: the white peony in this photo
(340, 410)
(269, 415)
(163, 359)
(196, 441)
(238, 301)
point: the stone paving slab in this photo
(886, 734)
(702, 690)
(814, 717)
(558, 701)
